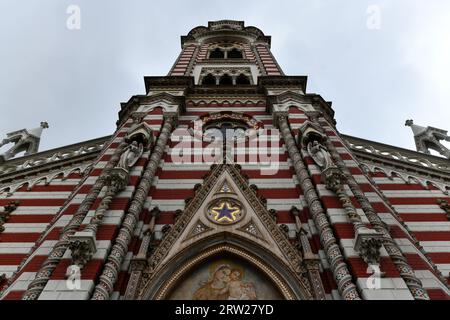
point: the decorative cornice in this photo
(167, 81)
(268, 81)
(48, 160)
(225, 28)
(399, 157)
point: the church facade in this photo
(226, 180)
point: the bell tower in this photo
(225, 53)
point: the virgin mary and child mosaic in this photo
(225, 279)
(226, 283)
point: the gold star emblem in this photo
(225, 212)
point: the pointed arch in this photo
(236, 247)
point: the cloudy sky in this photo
(380, 62)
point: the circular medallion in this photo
(225, 211)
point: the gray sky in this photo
(75, 79)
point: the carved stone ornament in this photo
(320, 154)
(444, 205)
(82, 246)
(309, 132)
(141, 133)
(6, 213)
(118, 178)
(131, 155)
(225, 211)
(427, 138)
(24, 140)
(333, 178)
(368, 243)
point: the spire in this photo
(24, 140)
(427, 138)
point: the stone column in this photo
(43, 275)
(338, 266)
(311, 261)
(405, 270)
(82, 243)
(139, 262)
(112, 266)
(367, 241)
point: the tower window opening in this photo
(234, 54)
(242, 79)
(217, 54)
(226, 80)
(209, 80)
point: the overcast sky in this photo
(377, 72)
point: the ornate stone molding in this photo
(43, 275)
(82, 247)
(414, 160)
(312, 139)
(58, 156)
(338, 266)
(369, 247)
(110, 272)
(271, 273)
(292, 256)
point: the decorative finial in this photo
(409, 123)
(429, 138)
(24, 140)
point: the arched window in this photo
(242, 79)
(217, 54)
(226, 80)
(209, 80)
(234, 54)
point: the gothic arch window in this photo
(242, 79)
(234, 54)
(209, 80)
(217, 54)
(226, 80)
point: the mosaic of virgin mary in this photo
(225, 279)
(226, 283)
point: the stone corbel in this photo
(368, 243)
(82, 247)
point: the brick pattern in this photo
(181, 66)
(270, 65)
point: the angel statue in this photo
(130, 155)
(320, 154)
